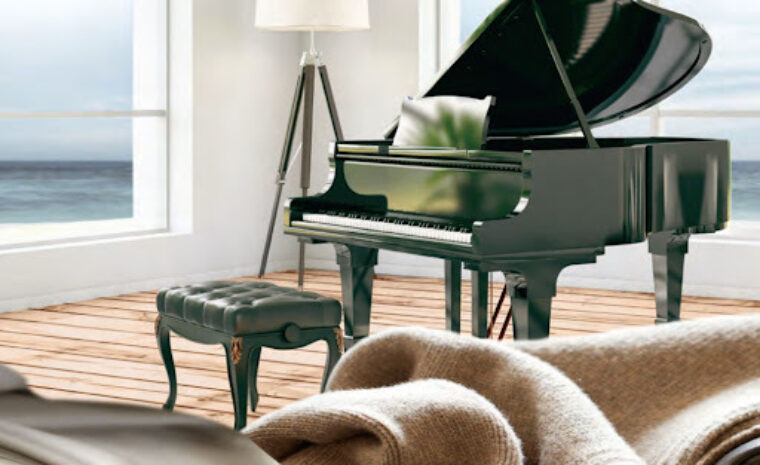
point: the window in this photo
(83, 109)
(722, 101)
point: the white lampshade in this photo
(312, 15)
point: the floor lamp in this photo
(311, 16)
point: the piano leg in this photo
(668, 251)
(531, 293)
(479, 303)
(453, 272)
(356, 274)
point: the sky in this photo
(729, 81)
(67, 56)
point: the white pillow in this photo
(444, 121)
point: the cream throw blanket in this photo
(675, 394)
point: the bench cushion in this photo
(241, 308)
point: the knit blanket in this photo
(677, 394)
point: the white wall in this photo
(372, 71)
(231, 96)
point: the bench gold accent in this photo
(236, 350)
(339, 339)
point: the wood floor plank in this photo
(104, 349)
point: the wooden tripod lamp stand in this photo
(310, 16)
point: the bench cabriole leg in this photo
(164, 344)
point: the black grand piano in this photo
(531, 203)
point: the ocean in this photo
(64, 191)
(745, 191)
(45, 191)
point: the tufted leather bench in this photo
(244, 317)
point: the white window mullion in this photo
(439, 36)
(429, 42)
(149, 172)
(149, 70)
(450, 29)
(679, 113)
(85, 114)
(656, 121)
(149, 140)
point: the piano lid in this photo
(621, 56)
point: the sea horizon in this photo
(48, 191)
(54, 191)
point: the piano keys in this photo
(399, 227)
(531, 202)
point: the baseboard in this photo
(324, 264)
(566, 280)
(693, 290)
(77, 295)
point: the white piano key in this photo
(355, 222)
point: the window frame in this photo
(439, 41)
(150, 162)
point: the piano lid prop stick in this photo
(569, 89)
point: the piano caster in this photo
(668, 252)
(357, 270)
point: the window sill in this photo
(14, 237)
(736, 232)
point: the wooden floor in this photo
(104, 349)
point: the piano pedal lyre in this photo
(495, 316)
(504, 327)
(496, 312)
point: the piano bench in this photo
(244, 317)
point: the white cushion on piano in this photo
(443, 121)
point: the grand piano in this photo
(532, 202)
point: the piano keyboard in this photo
(393, 226)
